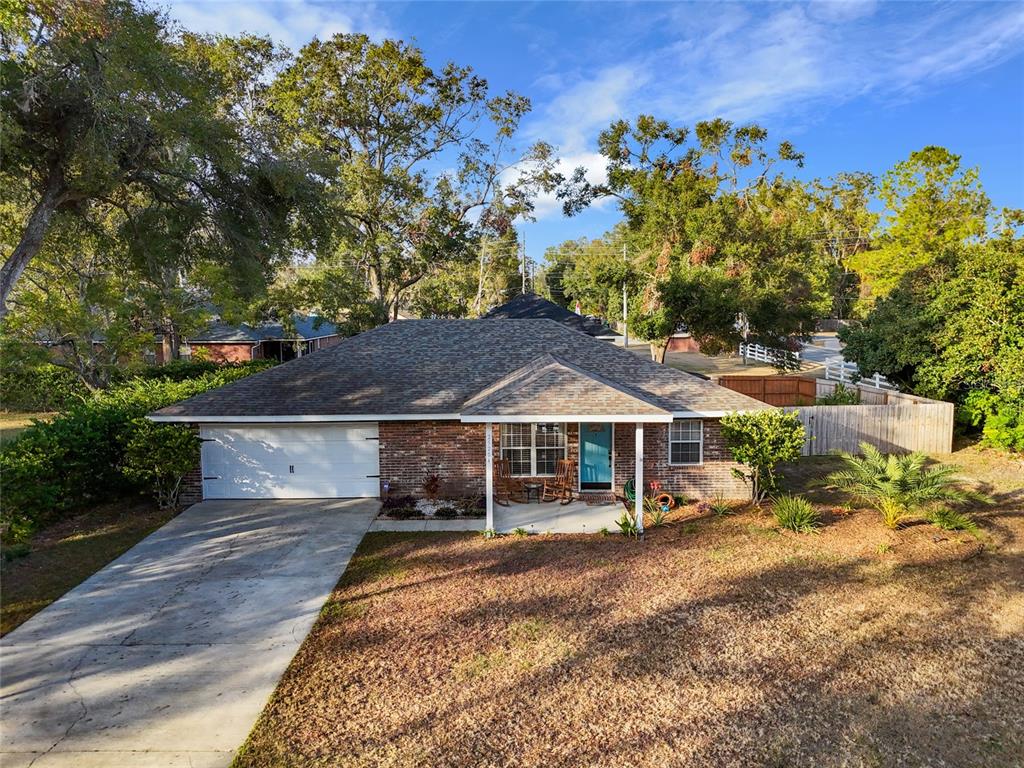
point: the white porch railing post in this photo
(489, 473)
(639, 481)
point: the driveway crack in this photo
(81, 703)
(197, 577)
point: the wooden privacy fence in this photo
(774, 390)
(894, 422)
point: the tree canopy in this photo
(108, 108)
(713, 230)
(386, 129)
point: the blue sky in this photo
(855, 85)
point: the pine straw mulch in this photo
(717, 641)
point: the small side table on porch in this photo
(532, 491)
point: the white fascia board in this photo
(712, 414)
(303, 419)
(572, 418)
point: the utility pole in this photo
(625, 306)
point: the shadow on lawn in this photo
(650, 672)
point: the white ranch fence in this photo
(845, 372)
(766, 354)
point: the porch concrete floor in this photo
(549, 517)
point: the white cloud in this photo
(292, 22)
(548, 206)
(586, 106)
(754, 62)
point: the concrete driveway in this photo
(167, 656)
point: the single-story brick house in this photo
(530, 306)
(223, 342)
(416, 397)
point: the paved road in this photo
(166, 656)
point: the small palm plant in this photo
(899, 487)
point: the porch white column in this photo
(489, 473)
(639, 481)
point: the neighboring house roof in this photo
(219, 332)
(530, 306)
(441, 368)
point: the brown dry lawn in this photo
(716, 641)
(62, 556)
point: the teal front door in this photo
(595, 456)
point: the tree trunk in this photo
(31, 238)
(171, 343)
(658, 350)
(478, 303)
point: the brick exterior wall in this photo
(224, 353)
(683, 344)
(712, 477)
(409, 450)
(191, 491)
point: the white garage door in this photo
(290, 462)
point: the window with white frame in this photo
(532, 450)
(686, 441)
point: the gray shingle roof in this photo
(553, 386)
(433, 367)
(224, 333)
(530, 306)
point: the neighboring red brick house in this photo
(453, 397)
(225, 343)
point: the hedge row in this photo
(40, 388)
(77, 459)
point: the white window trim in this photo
(533, 448)
(701, 444)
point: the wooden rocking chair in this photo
(506, 488)
(563, 485)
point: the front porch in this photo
(546, 517)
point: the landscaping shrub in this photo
(841, 395)
(400, 507)
(627, 525)
(405, 513)
(34, 388)
(160, 455)
(655, 512)
(182, 370)
(720, 505)
(397, 502)
(951, 520)
(796, 514)
(446, 512)
(77, 459)
(899, 487)
(473, 506)
(761, 440)
(1000, 416)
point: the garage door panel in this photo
(285, 462)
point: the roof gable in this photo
(550, 386)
